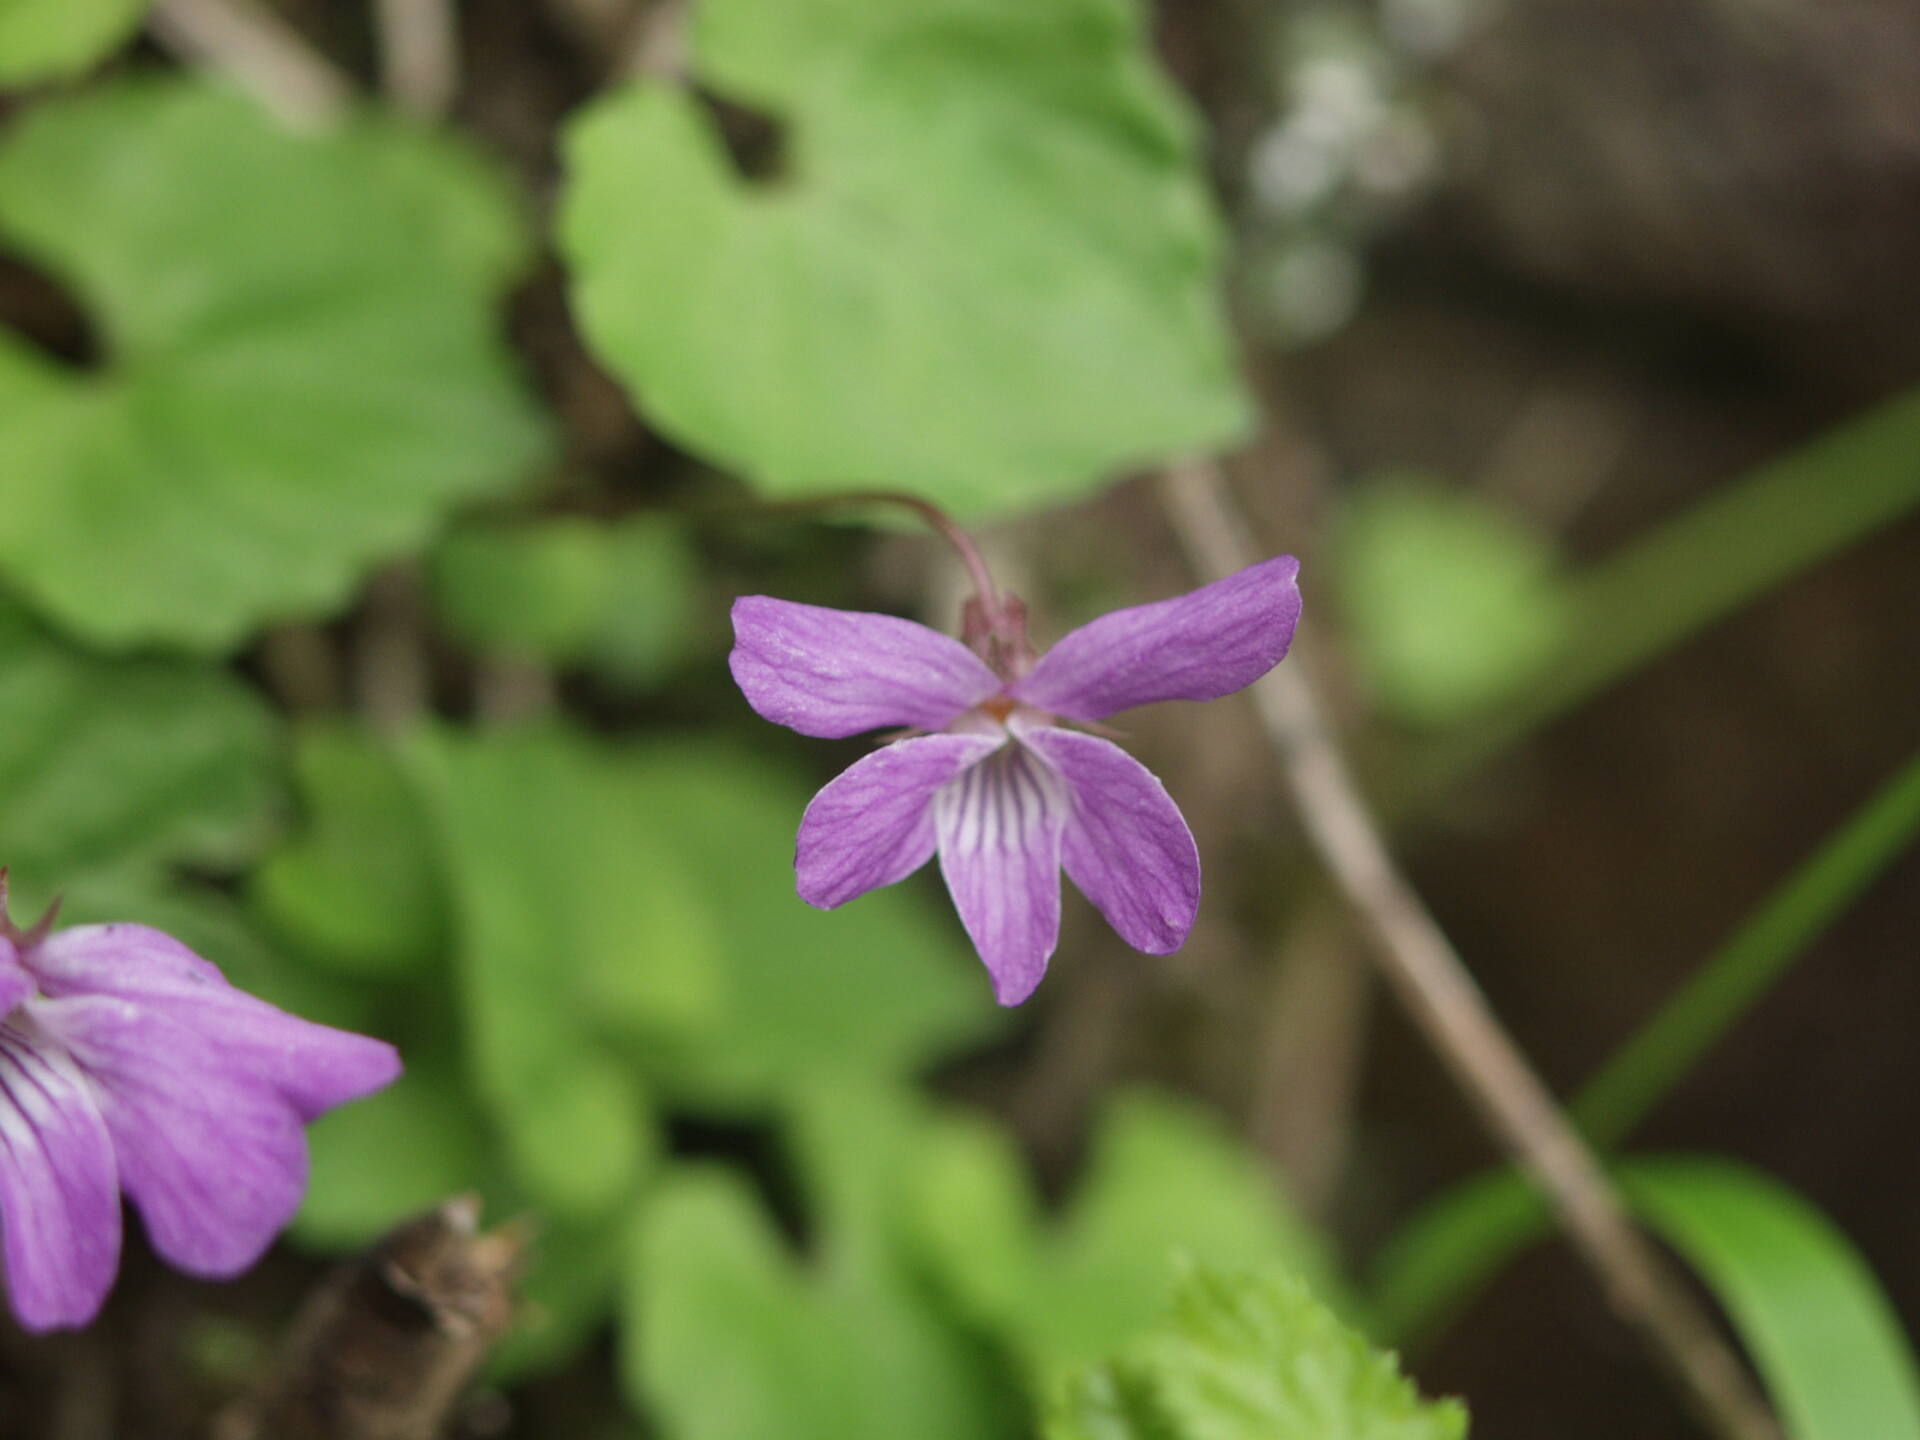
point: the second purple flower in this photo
(993, 780)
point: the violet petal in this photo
(1198, 646)
(312, 1067)
(213, 1155)
(999, 835)
(834, 673)
(1125, 845)
(872, 824)
(59, 1187)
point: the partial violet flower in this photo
(128, 1063)
(991, 778)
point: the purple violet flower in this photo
(991, 779)
(129, 1063)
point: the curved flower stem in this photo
(929, 514)
(1431, 980)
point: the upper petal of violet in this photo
(872, 824)
(59, 1187)
(311, 1067)
(1125, 844)
(999, 835)
(834, 673)
(1198, 646)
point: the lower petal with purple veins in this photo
(872, 824)
(1125, 845)
(210, 1149)
(998, 828)
(59, 1187)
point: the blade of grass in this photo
(1707, 562)
(1437, 1260)
(1744, 968)
(1813, 1317)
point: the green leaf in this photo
(52, 39)
(104, 763)
(986, 275)
(728, 1338)
(392, 1155)
(1826, 1341)
(360, 890)
(302, 374)
(877, 988)
(1163, 1178)
(1434, 1263)
(1451, 604)
(1249, 1357)
(577, 932)
(617, 597)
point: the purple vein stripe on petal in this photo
(313, 1067)
(834, 673)
(1198, 646)
(872, 824)
(59, 1188)
(999, 835)
(1125, 845)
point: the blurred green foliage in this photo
(1249, 1357)
(1451, 605)
(973, 256)
(618, 597)
(300, 361)
(52, 39)
(983, 270)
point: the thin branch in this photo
(419, 54)
(260, 51)
(657, 47)
(1424, 969)
(1316, 1010)
(390, 663)
(512, 689)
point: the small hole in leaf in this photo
(756, 141)
(46, 314)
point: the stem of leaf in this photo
(1420, 963)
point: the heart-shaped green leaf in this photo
(301, 372)
(987, 273)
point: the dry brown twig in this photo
(1421, 965)
(385, 1348)
(419, 54)
(262, 53)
